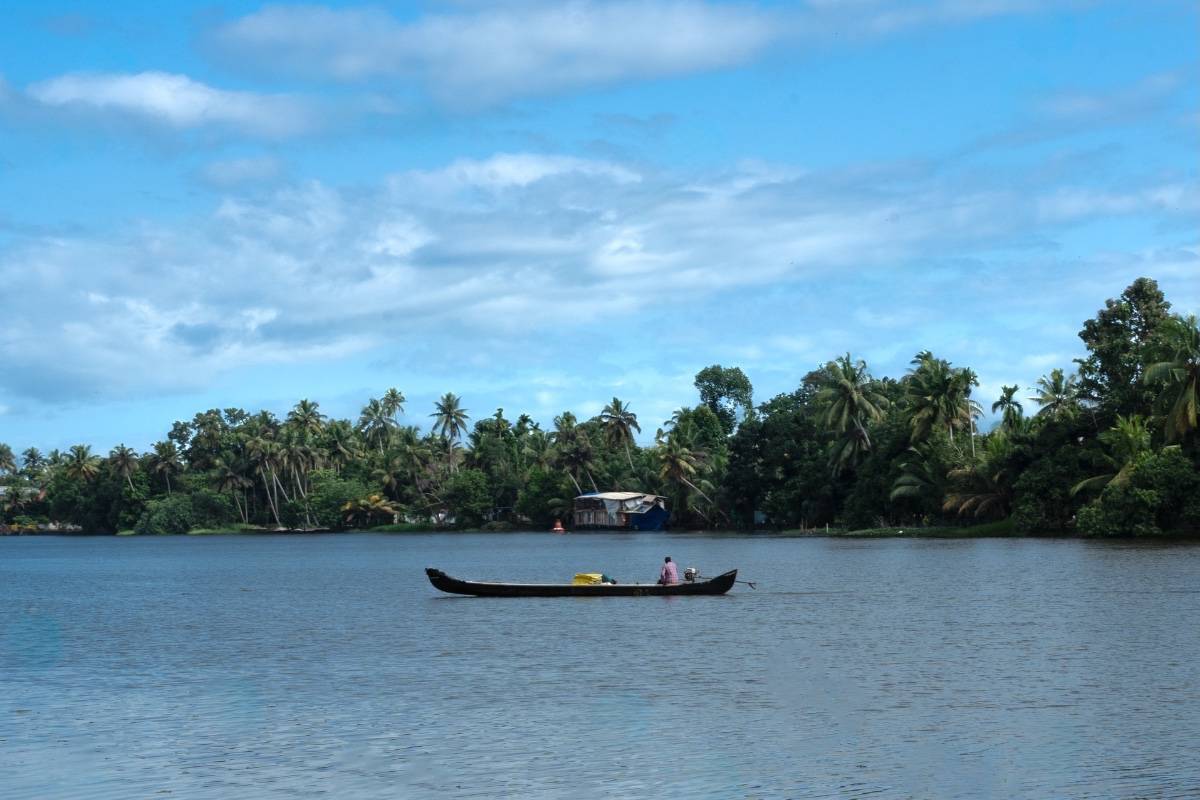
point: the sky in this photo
(539, 206)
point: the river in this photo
(326, 665)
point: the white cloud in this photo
(175, 102)
(483, 56)
(487, 56)
(494, 256)
(1075, 203)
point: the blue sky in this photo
(542, 205)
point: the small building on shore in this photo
(620, 511)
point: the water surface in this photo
(308, 666)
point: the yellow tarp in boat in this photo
(587, 578)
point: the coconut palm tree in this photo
(919, 476)
(572, 450)
(679, 467)
(849, 399)
(81, 464)
(263, 455)
(393, 402)
(370, 509)
(937, 396)
(164, 461)
(376, 423)
(619, 423)
(1125, 441)
(124, 462)
(450, 421)
(1010, 406)
(306, 418)
(340, 443)
(1179, 376)
(1057, 395)
(984, 486)
(230, 478)
(851, 404)
(32, 463)
(8, 462)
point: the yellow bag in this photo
(587, 578)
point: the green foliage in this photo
(725, 391)
(545, 497)
(169, 515)
(778, 466)
(329, 495)
(1120, 340)
(211, 509)
(468, 497)
(1159, 497)
(1177, 376)
(1042, 498)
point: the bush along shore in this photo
(1106, 447)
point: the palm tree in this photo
(679, 467)
(619, 423)
(376, 423)
(229, 478)
(393, 402)
(984, 486)
(32, 463)
(851, 404)
(341, 444)
(939, 395)
(1013, 411)
(1126, 440)
(966, 409)
(165, 461)
(8, 462)
(1179, 376)
(450, 420)
(572, 450)
(124, 462)
(919, 476)
(1057, 395)
(848, 396)
(263, 454)
(81, 464)
(370, 508)
(306, 418)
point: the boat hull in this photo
(713, 586)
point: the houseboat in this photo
(620, 511)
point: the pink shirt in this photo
(668, 574)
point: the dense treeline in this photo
(1107, 449)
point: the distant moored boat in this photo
(621, 511)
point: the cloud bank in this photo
(502, 251)
(482, 57)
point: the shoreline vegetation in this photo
(1108, 448)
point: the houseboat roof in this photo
(617, 495)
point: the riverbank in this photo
(995, 529)
(1000, 528)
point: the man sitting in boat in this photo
(668, 575)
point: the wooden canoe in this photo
(440, 580)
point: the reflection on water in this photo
(327, 665)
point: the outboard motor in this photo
(690, 574)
